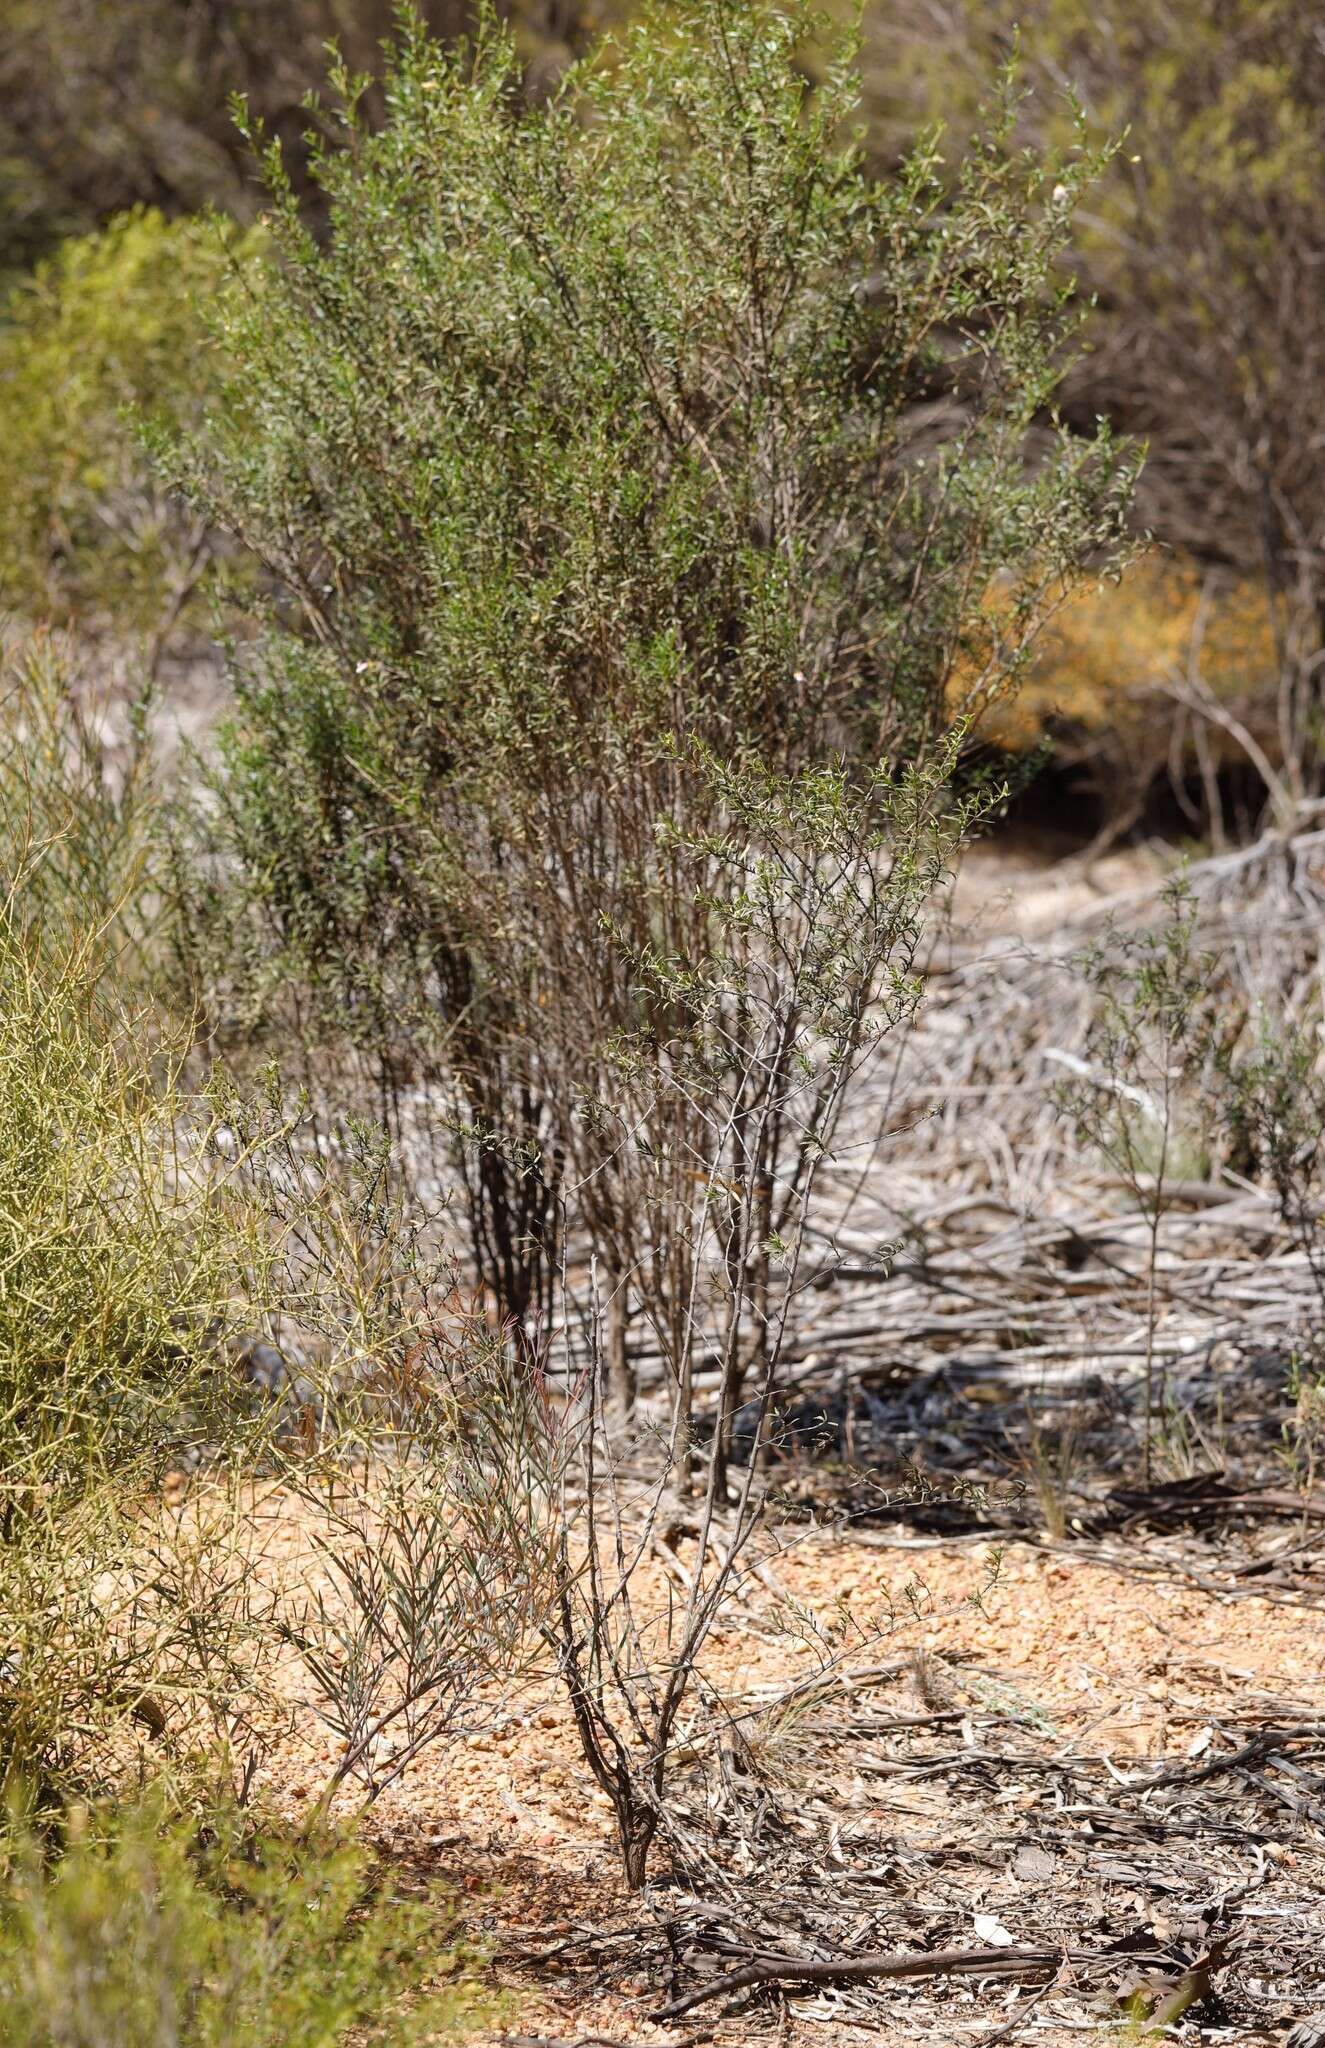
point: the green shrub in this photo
(597, 449)
(124, 1257)
(651, 502)
(77, 801)
(147, 1935)
(106, 327)
(155, 1224)
(125, 1260)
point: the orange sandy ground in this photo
(1124, 1667)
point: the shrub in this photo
(594, 446)
(122, 1258)
(124, 1263)
(431, 1568)
(1136, 1096)
(156, 1226)
(105, 328)
(1268, 1101)
(147, 1934)
(634, 475)
(76, 797)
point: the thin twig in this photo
(778, 1969)
(1023, 2012)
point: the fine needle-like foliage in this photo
(157, 1227)
(123, 1260)
(126, 1262)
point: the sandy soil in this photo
(1095, 1661)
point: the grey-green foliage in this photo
(1146, 1051)
(584, 434)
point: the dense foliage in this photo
(106, 332)
(595, 451)
(146, 1934)
(1201, 245)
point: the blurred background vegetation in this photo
(1194, 684)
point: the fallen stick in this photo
(943, 1962)
(1262, 1745)
(588, 2041)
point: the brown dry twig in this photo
(1265, 1744)
(775, 1969)
(591, 2040)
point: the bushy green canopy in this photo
(645, 415)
